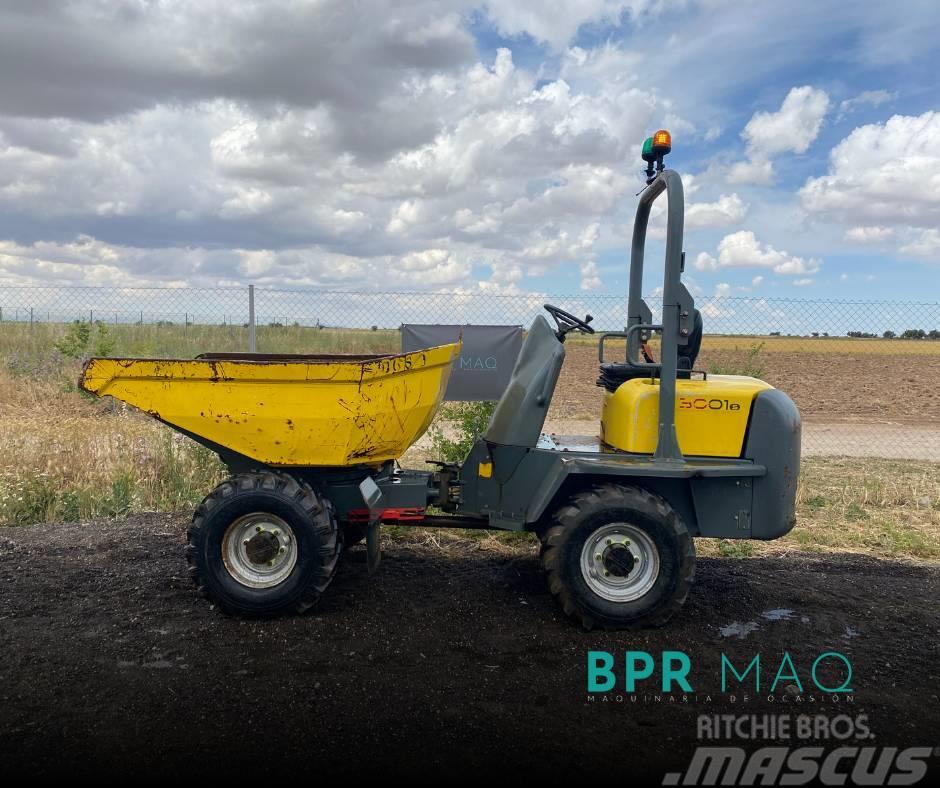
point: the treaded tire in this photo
(314, 527)
(572, 526)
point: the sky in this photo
(469, 147)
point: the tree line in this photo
(911, 333)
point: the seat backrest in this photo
(688, 353)
(520, 413)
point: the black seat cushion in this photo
(615, 373)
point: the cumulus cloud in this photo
(727, 209)
(514, 173)
(754, 172)
(590, 276)
(883, 175)
(868, 235)
(743, 250)
(565, 17)
(88, 261)
(791, 129)
(924, 244)
(372, 144)
(867, 98)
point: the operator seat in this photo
(615, 373)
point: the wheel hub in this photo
(620, 562)
(259, 550)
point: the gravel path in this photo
(889, 440)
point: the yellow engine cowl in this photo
(711, 415)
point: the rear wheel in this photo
(618, 557)
(263, 544)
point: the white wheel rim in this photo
(259, 550)
(619, 562)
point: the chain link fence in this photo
(866, 375)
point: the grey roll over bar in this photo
(678, 305)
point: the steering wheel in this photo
(567, 322)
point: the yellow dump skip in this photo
(302, 411)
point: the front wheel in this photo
(618, 557)
(263, 544)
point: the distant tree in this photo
(914, 333)
(933, 334)
(775, 333)
(889, 335)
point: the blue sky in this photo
(469, 147)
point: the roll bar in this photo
(678, 305)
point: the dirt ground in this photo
(452, 661)
(854, 385)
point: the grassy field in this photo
(779, 344)
(20, 340)
(24, 340)
(69, 457)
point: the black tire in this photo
(574, 525)
(310, 518)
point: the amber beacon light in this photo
(654, 148)
(662, 142)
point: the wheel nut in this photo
(258, 528)
(598, 557)
(283, 550)
(610, 541)
(606, 573)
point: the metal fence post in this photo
(252, 339)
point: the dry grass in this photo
(23, 340)
(883, 508)
(825, 345)
(68, 457)
(21, 343)
(887, 508)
